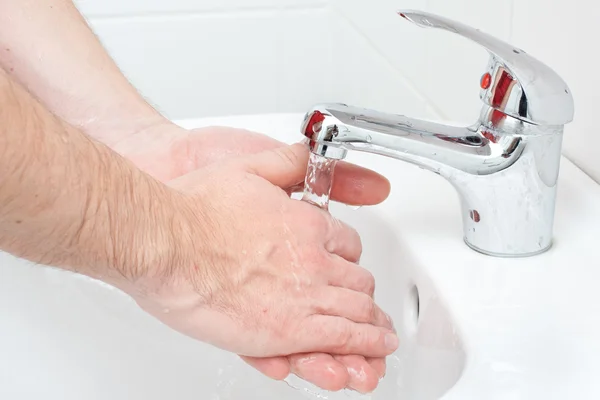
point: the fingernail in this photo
(391, 341)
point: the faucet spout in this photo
(430, 145)
(504, 170)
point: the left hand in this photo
(167, 152)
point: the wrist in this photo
(161, 150)
(163, 241)
(115, 127)
(139, 220)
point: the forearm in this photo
(70, 202)
(48, 47)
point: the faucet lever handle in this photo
(518, 84)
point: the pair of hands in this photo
(279, 282)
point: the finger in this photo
(362, 376)
(283, 166)
(379, 365)
(320, 369)
(338, 335)
(343, 240)
(346, 274)
(355, 306)
(354, 185)
(358, 186)
(277, 368)
(237, 142)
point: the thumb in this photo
(284, 166)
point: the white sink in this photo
(471, 326)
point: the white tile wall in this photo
(196, 58)
(229, 63)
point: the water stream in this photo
(317, 191)
(319, 180)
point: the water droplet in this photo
(308, 389)
(354, 208)
(311, 391)
(369, 139)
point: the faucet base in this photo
(507, 255)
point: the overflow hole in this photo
(412, 309)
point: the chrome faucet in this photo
(504, 167)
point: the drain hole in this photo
(412, 309)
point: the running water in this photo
(317, 191)
(319, 180)
(311, 391)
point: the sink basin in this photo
(471, 326)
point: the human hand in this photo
(168, 151)
(294, 272)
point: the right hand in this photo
(263, 275)
(167, 151)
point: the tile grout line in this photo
(331, 12)
(511, 17)
(191, 13)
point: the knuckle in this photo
(351, 233)
(368, 309)
(326, 223)
(323, 220)
(288, 156)
(352, 236)
(342, 235)
(315, 262)
(369, 283)
(366, 340)
(357, 241)
(314, 218)
(343, 339)
(374, 339)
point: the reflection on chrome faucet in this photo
(504, 166)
